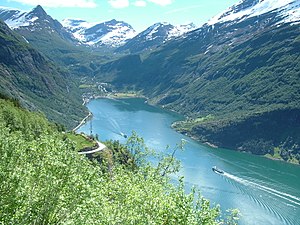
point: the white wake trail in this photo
(286, 196)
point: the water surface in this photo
(265, 191)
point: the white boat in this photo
(217, 170)
(124, 135)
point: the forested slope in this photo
(36, 82)
(45, 181)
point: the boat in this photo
(217, 170)
(124, 135)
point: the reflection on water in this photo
(265, 191)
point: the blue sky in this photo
(138, 13)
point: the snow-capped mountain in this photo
(288, 10)
(243, 21)
(34, 21)
(111, 33)
(155, 35)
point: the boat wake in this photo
(250, 188)
(288, 197)
(115, 127)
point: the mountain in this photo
(111, 33)
(78, 45)
(35, 20)
(36, 82)
(154, 36)
(46, 34)
(120, 34)
(236, 78)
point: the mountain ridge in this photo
(111, 34)
(154, 36)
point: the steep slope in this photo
(231, 78)
(110, 34)
(36, 82)
(42, 175)
(154, 36)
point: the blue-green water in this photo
(265, 191)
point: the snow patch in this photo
(16, 18)
(25, 40)
(180, 30)
(290, 9)
(116, 35)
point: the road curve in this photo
(100, 148)
(82, 122)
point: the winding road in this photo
(82, 121)
(100, 148)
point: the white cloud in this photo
(140, 3)
(60, 3)
(161, 2)
(119, 3)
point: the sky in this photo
(140, 14)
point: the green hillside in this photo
(36, 82)
(45, 181)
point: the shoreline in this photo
(210, 145)
(192, 137)
(119, 95)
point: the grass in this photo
(187, 125)
(125, 95)
(80, 141)
(276, 156)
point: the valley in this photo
(238, 71)
(228, 88)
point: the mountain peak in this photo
(112, 21)
(38, 10)
(160, 24)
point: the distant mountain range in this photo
(111, 34)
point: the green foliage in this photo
(116, 153)
(31, 125)
(45, 181)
